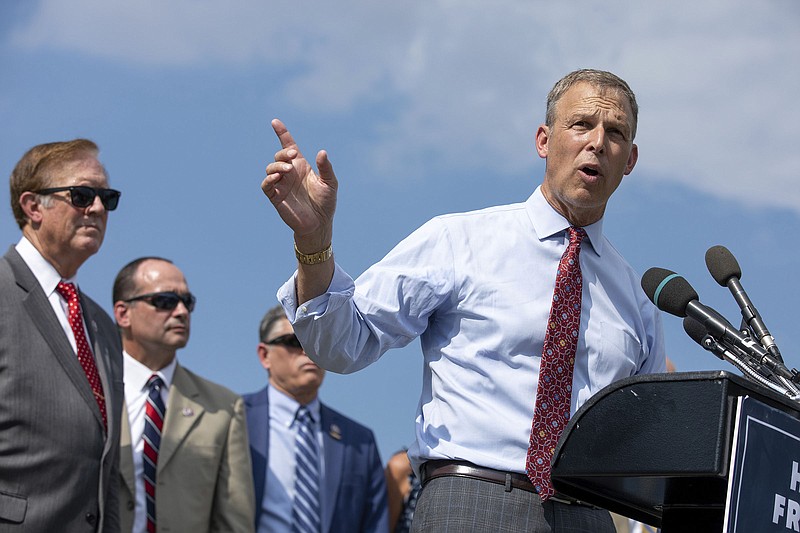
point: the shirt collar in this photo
(548, 222)
(283, 408)
(45, 273)
(136, 374)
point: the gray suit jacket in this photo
(204, 480)
(57, 468)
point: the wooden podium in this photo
(658, 448)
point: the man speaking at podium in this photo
(524, 312)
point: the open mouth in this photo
(590, 171)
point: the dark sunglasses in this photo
(166, 301)
(288, 341)
(82, 196)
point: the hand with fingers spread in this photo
(305, 200)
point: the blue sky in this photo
(425, 108)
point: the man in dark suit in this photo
(60, 355)
(199, 471)
(351, 490)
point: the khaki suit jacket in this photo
(204, 481)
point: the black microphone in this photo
(698, 334)
(701, 336)
(725, 270)
(673, 294)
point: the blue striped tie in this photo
(305, 511)
(153, 424)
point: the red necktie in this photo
(85, 357)
(558, 361)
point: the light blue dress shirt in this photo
(279, 494)
(476, 288)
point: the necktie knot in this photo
(67, 291)
(576, 235)
(304, 416)
(155, 383)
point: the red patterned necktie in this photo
(558, 361)
(85, 357)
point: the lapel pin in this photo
(335, 432)
(187, 411)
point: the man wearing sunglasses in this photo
(350, 490)
(184, 461)
(60, 355)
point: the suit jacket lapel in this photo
(257, 413)
(101, 354)
(183, 414)
(102, 358)
(126, 453)
(334, 461)
(38, 307)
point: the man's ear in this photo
(263, 355)
(632, 159)
(542, 136)
(31, 205)
(122, 314)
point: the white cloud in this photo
(716, 80)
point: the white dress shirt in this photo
(279, 494)
(48, 278)
(477, 288)
(136, 392)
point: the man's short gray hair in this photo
(268, 322)
(596, 78)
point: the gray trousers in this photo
(461, 505)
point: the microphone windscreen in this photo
(668, 291)
(722, 265)
(698, 332)
(651, 280)
(694, 329)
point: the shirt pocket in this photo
(618, 357)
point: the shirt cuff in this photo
(340, 290)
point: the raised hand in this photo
(305, 200)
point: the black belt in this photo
(433, 469)
(440, 468)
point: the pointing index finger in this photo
(286, 139)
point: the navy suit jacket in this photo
(355, 485)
